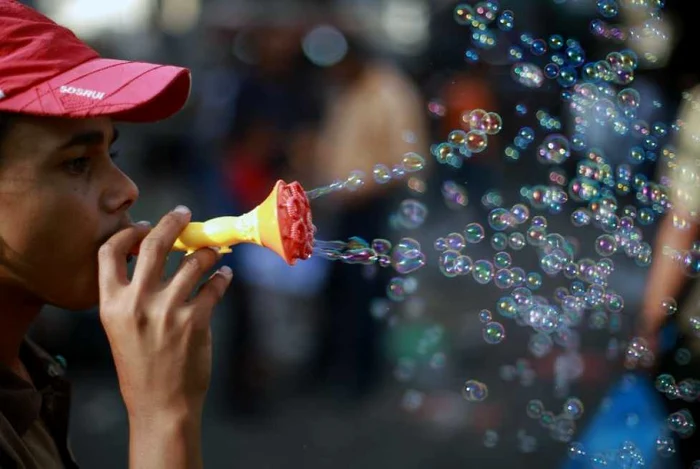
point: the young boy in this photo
(65, 239)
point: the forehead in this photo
(39, 136)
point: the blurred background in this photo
(314, 367)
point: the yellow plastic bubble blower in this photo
(281, 223)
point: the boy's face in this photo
(61, 198)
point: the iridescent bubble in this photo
(412, 162)
(464, 265)
(665, 447)
(576, 451)
(502, 260)
(567, 76)
(483, 271)
(412, 213)
(533, 280)
(395, 289)
(448, 263)
(409, 262)
(492, 123)
(554, 149)
(494, 333)
(669, 306)
(681, 422)
(499, 241)
(506, 20)
(485, 316)
(440, 244)
(507, 307)
(573, 408)
(500, 219)
(457, 137)
(527, 74)
(605, 245)
(455, 195)
(503, 279)
(476, 141)
(516, 241)
(535, 236)
(474, 120)
(355, 180)
(581, 217)
(520, 213)
(464, 15)
(608, 8)
(381, 246)
(556, 42)
(474, 391)
(474, 233)
(381, 173)
(538, 47)
(455, 241)
(534, 409)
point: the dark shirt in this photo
(31, 416)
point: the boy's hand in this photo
(159, 336)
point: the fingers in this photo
(155, 247)
(213, 290)
(112, 257)
(191, 270)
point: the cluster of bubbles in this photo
(627, 455)
(562, 427)
(411, 162)
(473, 138)
(493, 331)
(687, 390)
(610, 196)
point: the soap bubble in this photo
(476, 141)
(554, 149)
(412, 162)
(474, 391)
(474, 233)
(573, 408)
(412, 213)
(494, 333)
(528, 74)
(534, 409)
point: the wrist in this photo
(176, 417)
(163, 440)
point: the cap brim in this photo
(125, 91)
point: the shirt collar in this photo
(20, 402)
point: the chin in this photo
(80, 300)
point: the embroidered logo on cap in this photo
(92, 94)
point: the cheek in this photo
(57, 248)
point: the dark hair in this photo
(6, 120)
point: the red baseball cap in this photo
(45, 70)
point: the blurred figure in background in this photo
(276, 114)
(374, 115)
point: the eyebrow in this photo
(91, 137)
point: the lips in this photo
(122, 226)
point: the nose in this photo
(121, 193)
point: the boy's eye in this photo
(82, 164)
(78, 165)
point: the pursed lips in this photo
(122, 226)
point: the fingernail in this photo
(226, 271)
(216, 249)
(144, 223)
(182, 209)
